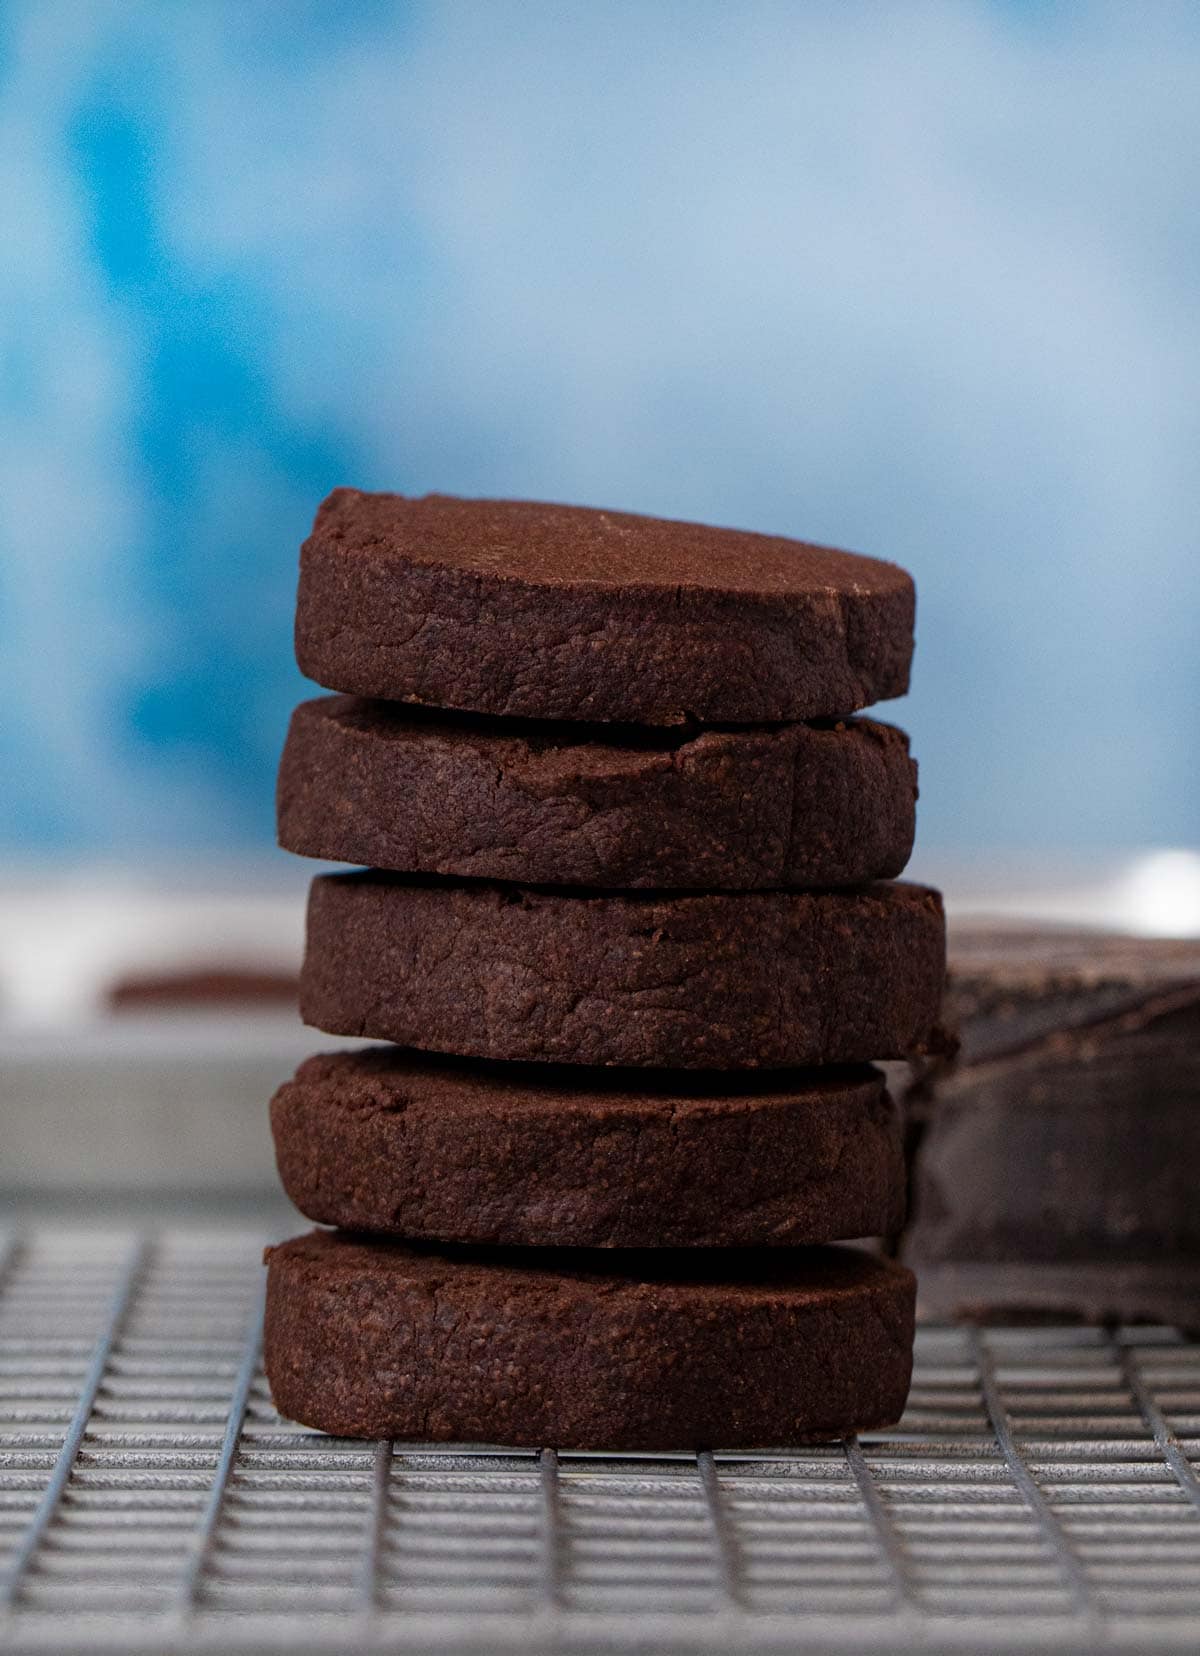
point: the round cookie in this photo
(562, 612)
(690, 1350)
(695, 980)
(387, 1142)
(421, 792)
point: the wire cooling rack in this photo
(1040, 1493)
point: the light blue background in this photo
(918, 279)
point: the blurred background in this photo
(919, 279)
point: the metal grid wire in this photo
(1040, 1493)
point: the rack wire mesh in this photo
(1041, 1492)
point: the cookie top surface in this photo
(566, 612)
(553, 546)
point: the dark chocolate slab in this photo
(1058, 1152)
(1079, 1291)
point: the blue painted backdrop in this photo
(921, 279)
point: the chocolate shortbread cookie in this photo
(698, 1349)
(420, 792)
(561, 612)
(445, 1150)
(710, 980)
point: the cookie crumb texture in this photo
(392, 1143)
(697, 981)
(415, 791)
(677, 1351)
(564, 612)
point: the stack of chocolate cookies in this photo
(630, 918)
